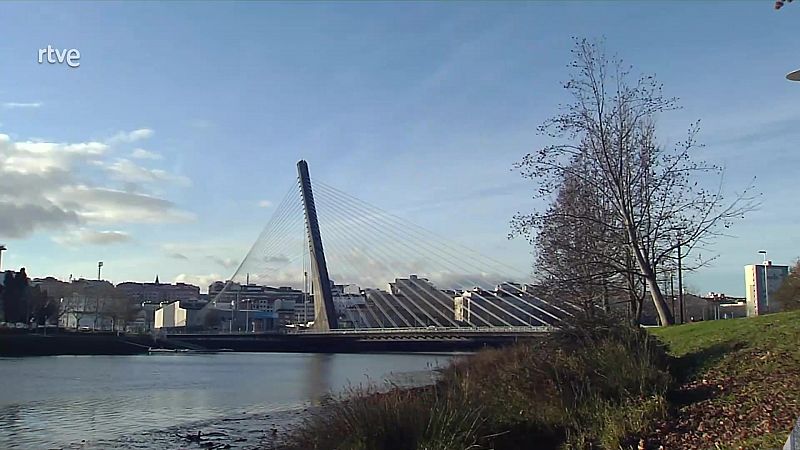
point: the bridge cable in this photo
(449, 307)
(441, 241)
(418, 296)
(381, 217)
(405, 238)
(364, 237)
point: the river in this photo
(153, 401)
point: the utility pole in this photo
(665, 291)
(672, 291)
(680, 284)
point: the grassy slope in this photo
(741, 382)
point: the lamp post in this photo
(99, 267)
(672, 293)
(247, 315)
(230, 329)
(766, 280)
(146, 319)
(2, 249)
(680, 284)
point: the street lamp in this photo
(2, 249)
(99, 266)
(247, 315)
(793, 76)
(680, 285)
(233, 311)
(766, 280)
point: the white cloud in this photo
(131, 136)
(228, 263)
(140, 153)
(52, 185)
(199, 280)
(127, 171)
(114, 206)
(264, 204)
(281, 259)
(12, 105)
(92, 237)
(42, 157)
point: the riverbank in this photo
(722, 384)
(247, 431)
(592, 385)
(23, 343)
(17, 343)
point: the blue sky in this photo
(184, 117)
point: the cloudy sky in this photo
(168, 149)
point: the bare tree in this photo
(641, 200)
(121, 309)
(76, 305)
(571, 250)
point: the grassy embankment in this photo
(739, 383)
(735, 383)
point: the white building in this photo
(761, 281)
(170, 315)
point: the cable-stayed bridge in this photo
(354, 272)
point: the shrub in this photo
(400, 419)
(589, 385)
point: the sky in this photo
(167, 150)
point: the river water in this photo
(155, 401)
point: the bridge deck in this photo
(357, 341)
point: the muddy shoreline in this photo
(244, 432)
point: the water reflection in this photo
(318, 386)
(57, 402)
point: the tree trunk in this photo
(664, 314)
(639, 303)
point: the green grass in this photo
(775, 331)
(749, 370)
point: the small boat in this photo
(187, 350)
(163, 350)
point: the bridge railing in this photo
(372, 331)
(434, 330)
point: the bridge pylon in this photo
(324, 310)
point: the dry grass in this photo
(588, 386)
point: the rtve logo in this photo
(55, 56)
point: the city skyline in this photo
(169, 158)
